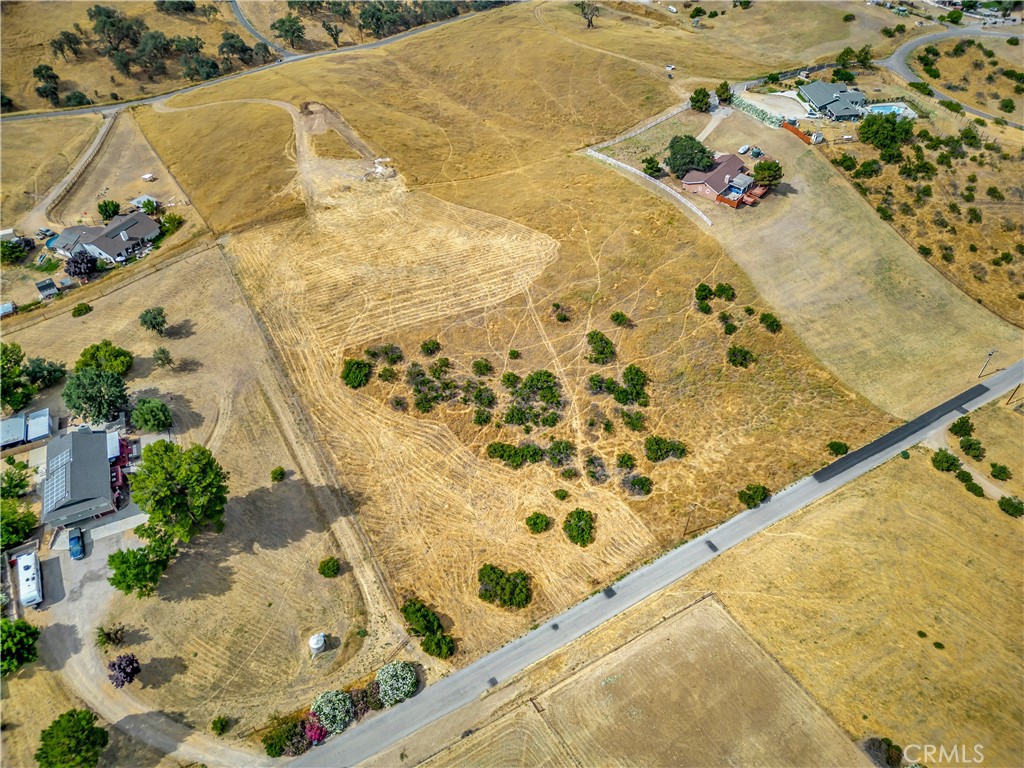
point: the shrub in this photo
(703, 292)
(440, 646)
(314, 731)
(658, 448)
(18, 641)
(514, 354)
(771, 322)
(868, 169)
(602, 350)
(81, 309)
(579, 527)
(639, 485)
(281, 737)
(151, 415)
(1001, 472)
(753, 495)
(633, 420)
(333, 710)
(740, 357)
(397, 681)
(329, 567)
(515, 456)
(964, 476)
(430, 347)
(972, 447)
(846, 161)
(219, 725)
(837, 448)
(563, 317)
(482, 367)
(421, 620)
(509, 590)
(1013, 41)
(123, 670)
(975, 489)
(944, 461)
(1012, 506)
(1007, 105)
(621, 319)
(481, 417)
(704, 307)
(561, 494)
(389, 353)
(356, 373)
(388, 374)
(725, 291)
(884, 212)
(109, 637)
(924, 250)
(538, 522)
(559, 452)
(849, 17)
(626, 461)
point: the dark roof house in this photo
(77, 482)
(834, 99)
(725, 172)
(47, 288)
(114, 242)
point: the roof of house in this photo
(7, 308)
(46, 285)
(726, 167)
(109, 239)
(840, 100)
(77, 483)
(12, 430)
(73, 236)
(38, 425)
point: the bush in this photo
(740, 357)
(849, 17)
(538, 522)
(753, 495)
(421, 620)
(81, 309)
(123, 670)
(771, 322)
(703, 292)
(638, 485)
(356, 373)
(846, 161)
(561, 494)
(559, 452)
(868, 169)
(440, 646)
(482, 367)
(1007, 105)
(481, 417)
(509, 590)
(837, 448)
(579, 527)
(515, 456)
(1001, 472)
(884, 212)
(602, 350)
(329, 567)
(430, 347)
(389, 353)
(924, 250)
(151, 415)
(658, 448)
(1012, 506)
(333, 710)
(633, 420)
(18, 642)
(944, 461)
(621, 319)
(626, 461)
(1013, 41)
(283, 736)
(972, 447)
(975, 489)
(704, 307)
(388, 374)
(725, 291)
(514, 354)
(220, 725)
(397, 681)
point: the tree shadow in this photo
(784, 189)
(136, 636)
(185, 417)
(197, 573)
(187, 365)
(180, 330)
(128, 744)
(160, 671)
(142, 367)
(57, 644)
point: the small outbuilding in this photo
(12, 431)
(47, 289)
(141, 200)
(8, 308)
(38, 426)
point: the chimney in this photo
(727, 177)
(124, 236)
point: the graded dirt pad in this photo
(227, 631)
(35, 155)
(694, 690)
(869, 307)
(235, 161)
(28, 28)
(743, 44)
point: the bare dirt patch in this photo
(29, 26)
(35, 155)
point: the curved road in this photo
(108, 109)
(252, 31)
(385, 729)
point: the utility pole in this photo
(987, 360)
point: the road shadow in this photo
(57, 644)
(160, 671)
(53, 581)
(180, 330)
(128, 745)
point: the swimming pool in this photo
(51, 241)
(898, 108)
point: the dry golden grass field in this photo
(837, 595)
(880, 317)
(228, 628)
(999, 429)
(678, 694)
(29, 26)
(975, 78)
(262, 13)
(34, 156)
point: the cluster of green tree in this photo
(536, 399)
(509, 590)
(12, 252)
(887, 133)
(73, 739)
(21, 379)
(602, 350)
(632, 390)
(424, 623)
(753, 495)
(579, 527)
(17, 644)
(49, 88)
(863, 57)
(659, 449)
(433, 388)
(704, 293)
(685, 154)
(183, 491)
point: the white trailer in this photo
(30, 579)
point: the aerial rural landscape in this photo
(512, 383)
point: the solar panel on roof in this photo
(55, 489)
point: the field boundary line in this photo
(645, 126)
(660, 186)
(68, 182)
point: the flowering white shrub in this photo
(334, 710)
(397, 682)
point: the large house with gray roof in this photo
(834, 100)
(115, 242)
(77, 483)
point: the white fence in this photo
(659, 185)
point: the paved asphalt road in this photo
(252, 31)
(109, 109)
(462, 687)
